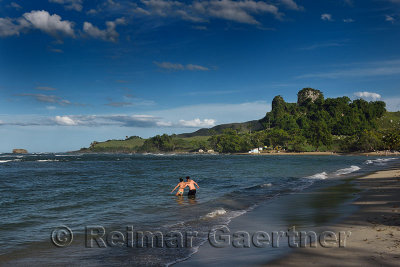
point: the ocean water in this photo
(39, 192)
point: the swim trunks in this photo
(192, 192)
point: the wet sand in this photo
(368, 207)
(328, 153)
(305, 210)
(375, 229)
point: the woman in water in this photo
(181, 186)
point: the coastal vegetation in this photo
(312, 124)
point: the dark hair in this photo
(187, 177)
(181, 179)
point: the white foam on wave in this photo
(46, 160)
(352, 168)
(215, 213)
(9, 160)
(380, 161)
(321, 175)
(266, 185)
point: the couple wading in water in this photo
(189, 182)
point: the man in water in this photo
(181, 185)
(192, 188)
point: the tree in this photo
(391, 140)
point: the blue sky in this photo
(75, 71)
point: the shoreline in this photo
(368, 206)
(327, 153)
(374, 227)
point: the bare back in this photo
(182, 185)
(191, 184)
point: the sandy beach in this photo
(327, 153)
(368, 207)
(375, 228)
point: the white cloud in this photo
(223, 113)
(326, 17)
(239, 11)
(178, 66)
(390, 18)
(392, 103)
(243, 11)
(108, 34)
(292, 5)
(196, 123)
(9, 28)
(65, 120)
(40, 20)
(196, 67)
(176, 119)
(368, 95)
(51, 24)
(69, 4)
(50, 107)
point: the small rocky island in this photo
(19, 151)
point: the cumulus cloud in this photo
(196, 123)
(326, 17)
(199, 11)
(51, 24)
(178, 66)
(39, 20)
(65, 120)
(108, 34)
(368, 95)
(69, 4)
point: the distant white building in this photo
(255, 151)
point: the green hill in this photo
(312, 124)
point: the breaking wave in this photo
(352, 168)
